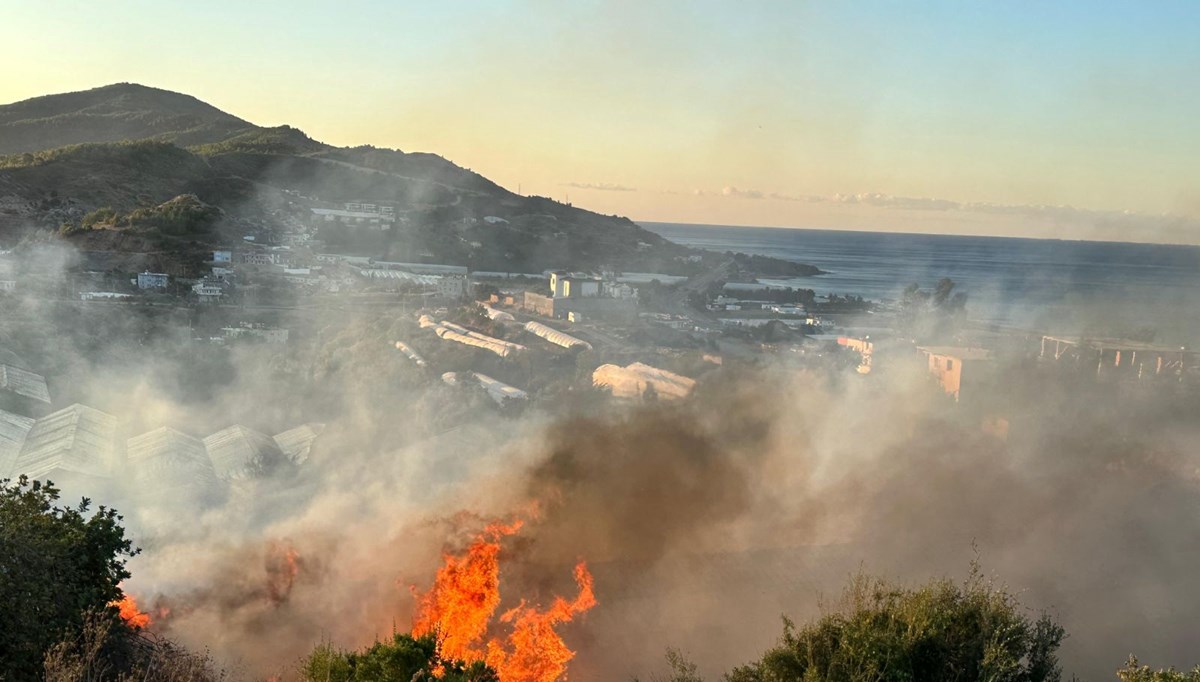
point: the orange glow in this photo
(465, 596)
(283, 565)
(130, 613)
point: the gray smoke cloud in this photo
(703, 521)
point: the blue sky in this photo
(699, 111)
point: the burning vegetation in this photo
(459, 610)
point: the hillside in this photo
(128, 147)
(112, 113)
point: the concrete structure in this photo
(1120, 358)
(256, 331)
(573, 285)
(152, 280)
(207, 291)
(103, 296)
(958, 369)
(610, 309)
(638, 380)
(356, 214)
(223, 256)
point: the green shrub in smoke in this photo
(1132, 672)
(404, 659)
(940, 631)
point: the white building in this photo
(222, 256)
(152, 280)
(267, 334)
(568, 285)
(207, 292)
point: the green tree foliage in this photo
(941, 631)
(936, 313)
(56, 565)
(404, 659)
(1132, 672)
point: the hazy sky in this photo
(722, 112)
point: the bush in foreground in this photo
(404, 659)
(940, 631)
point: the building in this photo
(207, 291)
(1120, 358)
(103, 296)
(152, 280)
(23, 392)
(255, 331)
(958, 370)
(354, 214)
(74, 443)
(172, 466)
(238, 452)
(574, 285)
(296, 444)
(223, 256)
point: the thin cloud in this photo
(600, 186)
(741, 193)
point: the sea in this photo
(1054, 286)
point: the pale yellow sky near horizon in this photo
(702, 112)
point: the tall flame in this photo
(130, 613)
(534, 652)
(465, 596)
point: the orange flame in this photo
(130, 613)
(466, 594)
(534, 652)
(283, 565)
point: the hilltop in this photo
(124, 111)
(128, 147)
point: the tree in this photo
(1132, 672)
(404, 659)
(56, 565)
(937, 632)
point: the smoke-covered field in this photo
(703, 521)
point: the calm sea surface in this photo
(1058, 286)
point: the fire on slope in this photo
(464, 597)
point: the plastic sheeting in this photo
(496, 390)
(554, 336)
(410, 353)
(448, 331)
(633, 381)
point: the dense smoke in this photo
(703, 521)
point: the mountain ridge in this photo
(265, 180)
